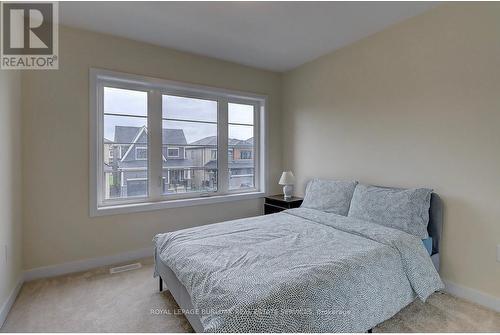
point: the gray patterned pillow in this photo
(403, 209)
(330, 196)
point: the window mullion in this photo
(222, 147)
(257, 138)
(99, 149)
(155, 144)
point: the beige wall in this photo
(10, 183)
(57, 226)
(415, 105)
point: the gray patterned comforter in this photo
(301, 270)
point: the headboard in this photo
(435, 227)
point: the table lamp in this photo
(287, 180)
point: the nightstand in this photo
(276, 203)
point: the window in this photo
(125, 117)
(155, 144)
(141, 153)
(173, 152)
(241, 131)
(192, 123)
(246, 154)
(110, 152)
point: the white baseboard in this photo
(473, 295)
(7, 305)
(86, 264)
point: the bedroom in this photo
(402, 95)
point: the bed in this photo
(301, 270)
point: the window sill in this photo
(151, 206)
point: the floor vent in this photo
(124, 268)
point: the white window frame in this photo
(141, 147)
(156, 88)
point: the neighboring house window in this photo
(173, 153)
(149, 120)
(141, 153)
(111, 149)
(245, 154)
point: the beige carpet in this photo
(96, 301)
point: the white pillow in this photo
(403, 209)
(330, 196)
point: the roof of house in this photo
(126, 134)
(247, 142)
(173, 136)
(167, 164)
(212, 140)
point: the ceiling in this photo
(276, 36)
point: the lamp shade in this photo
(287, 178)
